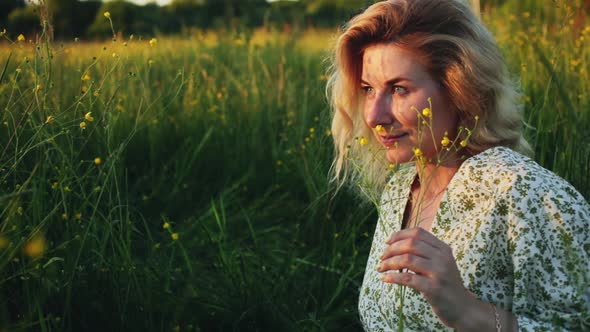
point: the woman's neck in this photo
(434, 179)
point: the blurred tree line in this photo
(84, 18)
(79, 18)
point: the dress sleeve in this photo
(549, 245)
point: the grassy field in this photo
(181, 184)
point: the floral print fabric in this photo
(520, 236)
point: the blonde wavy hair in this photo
(458, 52)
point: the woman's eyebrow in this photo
(390, 82)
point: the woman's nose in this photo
(378, 111)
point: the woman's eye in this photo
(399, 90)
(367, 90)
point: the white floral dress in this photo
(520, 236)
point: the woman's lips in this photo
(391, 139)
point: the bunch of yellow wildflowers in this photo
(448, 148)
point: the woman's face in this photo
(396, 86)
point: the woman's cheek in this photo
(406, 115)
(399, 110)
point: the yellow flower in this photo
(463, 143)
(86, 77)
(174, 236)
(21, 38)
(88, 117)
(82, 125)
(97, 161)
(328, 132)
(64, 216)
(35, 247)
(67, 189)
(4, 242)
(166, 225)
(417, 152)
(153, 42)
(363, 141)
(391, 167)
(427, 112)
(380, 129)
(55, 185)
(50, 119)
(150, 62)
(445, 141)
(107, 14)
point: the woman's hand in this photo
(435, 275)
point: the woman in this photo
(473, 235)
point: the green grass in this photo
(212, 141)
(226, 142)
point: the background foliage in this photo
(83, 19)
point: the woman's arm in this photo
(550, 254)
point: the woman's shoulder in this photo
(502, 161)
(503, 170)
(520, 187)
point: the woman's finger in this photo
(417, 233)
(414, 263)
(415, 281)
(411, 245)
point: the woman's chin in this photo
(399, 156)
